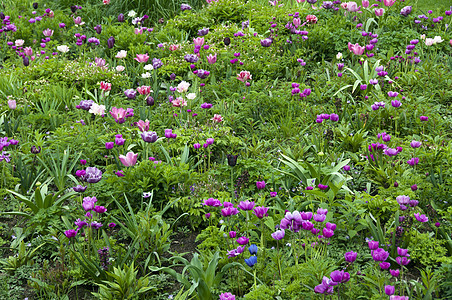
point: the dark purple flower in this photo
(79, 188)
(156, 63)
(266, 42)
(203, 32)
(121, 18)
(111, 42)
(185, 7)
(202, 73)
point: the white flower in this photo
(339, 55)
(429, 41)
(146, 75)
(423, 36)
(191, 96)
(437, 39)
(121, 54)
(19, 43)
(149, 67)
(183, 87)
(63, 48)
(97, 109)
(120, 68)
(132, 14)
(136, 20)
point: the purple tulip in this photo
(350, 256)
(373, 245)
(340, 276)
(246, 205)
(380, 254)
(243, 240)
(260, 211)
(389, 289)
(260, 185)
(278, 235)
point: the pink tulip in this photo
(352, 7)
(12, 104)
(199, 41)
(28, 51)
(142, 58)
(48, 32)
(296, 22)
(144, 90)
(365, 3)
(379, 12)
(129, 160)
(244, 76)
(211, 59)
(217, 118)
(143, 125)
(389, 2)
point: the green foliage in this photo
(43, 208)
(123, 284)
(427, 250)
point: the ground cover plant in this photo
(225, 149)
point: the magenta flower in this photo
(227, 296)
(88, 203)
(260, 211)
(70, 233)
(340, 276)
(306, 215)
(260, 185)
(212, 202)
(395, 273)
(385, 265)
(402, 252)
(415, 144)
(322, 211)
(273, 194)
(413, 161)
(319, 218)
(403, 261)
(389, 290)
(423, 118)
(373, 245)
(306, 225)
(327, 233)
(322, 186)
(421, 218)
(243, 240)
(229, 211)
(350, 256)
(80, 224)
(380, 254)
(100, 209)
(326, 287)
(246, 205)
